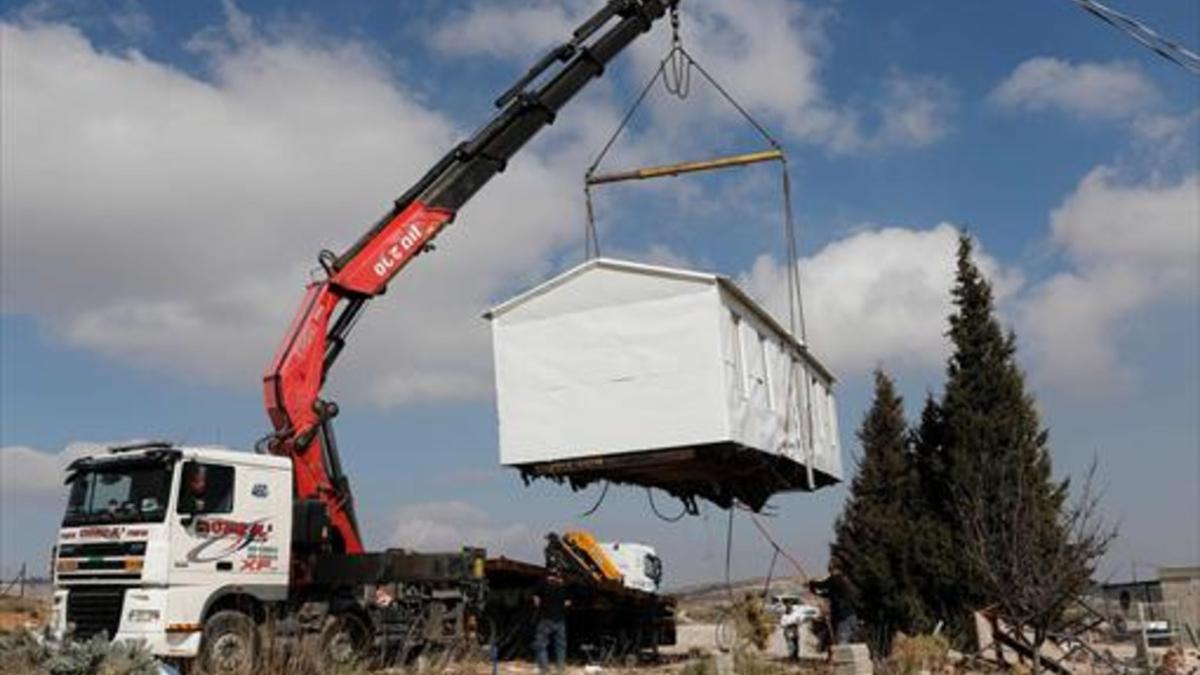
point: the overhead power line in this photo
(1164, 47)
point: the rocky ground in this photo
(699, 610)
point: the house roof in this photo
(724, 282)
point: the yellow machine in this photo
(578, 550)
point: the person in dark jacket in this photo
(842, 598)
(194, 498)
(551, 602)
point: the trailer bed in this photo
(606, 619)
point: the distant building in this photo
(1180, 586)
(1167, 608)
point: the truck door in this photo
(225, 531)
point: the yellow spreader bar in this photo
(687, 167)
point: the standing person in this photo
(551, 602)
(842, 597)
(790, 622)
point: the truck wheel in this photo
(727, 633)
(344, 641)
(230, 644)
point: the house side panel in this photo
(777, 400)
(614, 378)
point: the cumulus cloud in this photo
(132, 20)
(1165, 143)
(126, 19)
(916, 110)
(171, 221)
(1129, 246)
(450, 525)
(882, 295)
(1112, 90)
(32, 475)
(878, 296)
(490, 29)
(1165, 128)
(912, 111)
(1153, 225)
(768, 53)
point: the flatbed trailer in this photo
(606, 619)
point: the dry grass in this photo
(912, 655)
(754, 623)
(18, 614)
(21, 652)
(748, 662)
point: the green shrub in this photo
(23, 653)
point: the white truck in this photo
(188, 552)
(640, 566)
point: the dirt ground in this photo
(18, 613)
(695, 637)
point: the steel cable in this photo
(1146, 36)
(670, 519)
(599, 501)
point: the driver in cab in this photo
(194, 497)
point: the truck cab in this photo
(156, 539)
(641, 568)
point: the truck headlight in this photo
(143, 615)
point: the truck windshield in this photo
(119, 493)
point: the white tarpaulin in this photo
(615, 358)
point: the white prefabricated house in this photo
(660, 377)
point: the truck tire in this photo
(344, 642)
(230, 644)
(486, 637)
(727, 633)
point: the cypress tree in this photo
(1016, 547)
(872, 546)
(932, 513)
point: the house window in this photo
(752, 359)
(818, 407)
(763, 344)
(739, 369)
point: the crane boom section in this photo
(294, 379)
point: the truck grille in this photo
(102, 549)
(95, 609)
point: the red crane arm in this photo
(293, 381)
